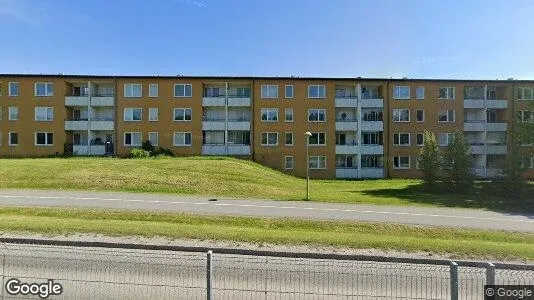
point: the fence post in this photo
(209, 295)
(490, 274)
(454, 280)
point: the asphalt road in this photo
(468, 218)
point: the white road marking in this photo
(268, 206)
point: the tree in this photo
(430, 158)
(457, 161)
(513, 166)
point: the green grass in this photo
(234, 178)
(458, 242)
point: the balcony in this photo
(89, 150)
(474, 103)
(77, 100)
(479, 172)
(474, 125)
(496, 149)
(372, 125)
(213, 101)
(346, 101)
(76, 125)
(347, 149)
(372, 172)
(102, 100)
(477, 149)
(235, 100)
(346, 124)
(496, 126)
(220, 149)
(372, 149)
(213, 149)
(234, 149)
(239, 124)
(497, 104)
(346, 172)
(378, 102)
(104, 124)
(492, 173)
(213, 124)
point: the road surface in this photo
(453, 217)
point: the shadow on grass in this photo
(484, 195)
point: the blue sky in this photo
(423, 39)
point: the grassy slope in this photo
(459, 242)
(220, 177)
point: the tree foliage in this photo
(457, 161)
(430, 161)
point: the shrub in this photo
(139, 153)
(147, 146)
(163, 152)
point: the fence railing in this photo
(99, 270)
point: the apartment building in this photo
(361, 127)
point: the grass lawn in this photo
(235, 178)
(459, 242)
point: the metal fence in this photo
(93, 270)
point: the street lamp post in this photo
(307, 134)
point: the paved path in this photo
(468, 218)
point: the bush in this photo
(147, 146)
(139, 153)
(163, 152)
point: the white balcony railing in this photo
(238, 149)
(230, 149)
(372, 149)
(496, 126)
(474, 125)
(346, 172)
(239, 101)
(77, 125)
(346, 102)
(213, 125)
(89, 150)
(344, 125)
(496, 149)
(76, 100)
(497, 104)
(474, 103)
(372, 125)
(102, 124)
(372, 172)
(347, 149)
(238, 125)
(372, 102)
(102, 101)
(476, 149)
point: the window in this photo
(446, 93)
(269, 91)
(372, 161)
(44, 89)
(13, 89)
(420, 93)
(419, 139)
(13, 138)
(269, 138)
(526, 161)
(153, 90)
(133, 90)
(153, 138)
(1, 113)
(289, 115)
(242, 92)
(289, 91)
(132, 138)
(182, 114)
(474, 92)
(13, 113)
(372, 116)
(212, 92)
(133, 114)
(445, 139)
(182, 139)
(346, 161)
(317, 139)
(401, 139)
(401, 115)
(44, 138)
(420, 115)
(370, 92)
(372, 138)
(446, 115)
(525, 116)
(289, 139)
(317, 162)
(316, 91)
(183, 90)
(44, 113)
(524, 93)
(401, 162)
(269, 114)
(238, 137)
(153, 113)
(316, 115)
(401, 92)
(288, 162)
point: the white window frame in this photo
(318, 139)
(10, 89)
(131, 139)
(128, 87)
(129, 111)
(184, 139)
(266, 91)
(153, 90)
(9, 113)
(267, 135)
(157, 138)
(318, 158)
(521, 93)
(1, 113)
(47, 92)
(401, 121)
(184, 114)
(289, 109)
(185, 94)
(292, 165)
(417, 110)
(9, 138)
(292, 91)
(46, 144)
(417, 96)
(397, 139)
(268, 111)
(448, 96)
(523, 112)
(48, 109)
(399, 163)
(292, 138)
(151, 116)
(416, 140)
(318, 114)
(449, 135)
(319, 87)
(447, 113)
(397, 93)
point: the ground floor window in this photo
(44, 138)
(372, 161)
(288, 162)
(401, 162)
(317, 162)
